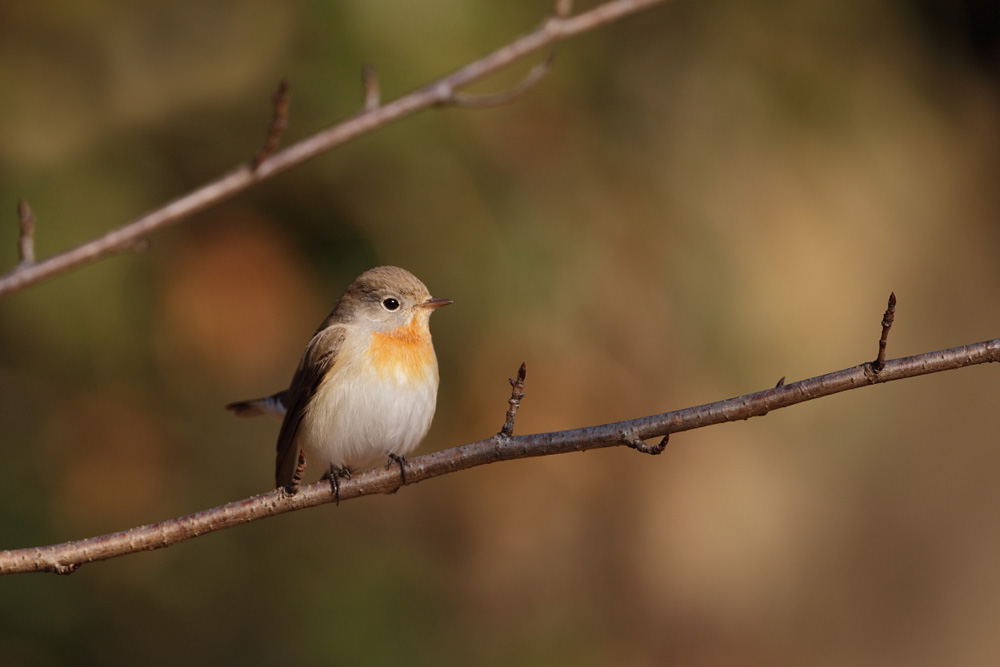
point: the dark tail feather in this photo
(272, 406)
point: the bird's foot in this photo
(401, 462)
(334, 475)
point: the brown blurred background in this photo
(695, 202)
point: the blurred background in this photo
(695, 202)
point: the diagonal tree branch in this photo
(66, 557)
(444, 91)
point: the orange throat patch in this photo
(406, 351)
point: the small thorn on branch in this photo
(640, 446)
(26, 239)
(516, 394)
(534, 75)
(564, 8)
(781, 383)
(369, 81)
(887, 319)
(279, 119)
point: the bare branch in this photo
(516, 394)
(67, 557)
(369, 82)
(890, 313)
(640, 446)
(440, 92)
(279, 119)
(533, 76)
(26, 239)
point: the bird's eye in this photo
(390, 304)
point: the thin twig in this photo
(534, 75)
(26, 238)
(369, 83)
(279, 120)
(890, 314)
(640, 446)
(514, 402)
(68, 556)
(442, 91)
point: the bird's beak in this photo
(435, 303)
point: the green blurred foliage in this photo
(694, 202)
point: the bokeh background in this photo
(695, 202)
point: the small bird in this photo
(366, 386)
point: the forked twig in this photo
(534, 75)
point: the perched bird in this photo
(366, 386)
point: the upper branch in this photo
(66, 557)
(558, 27)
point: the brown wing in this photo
(316, 362)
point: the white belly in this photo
(352, 423)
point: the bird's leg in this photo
(335, 474)
(300, 468)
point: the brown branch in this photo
(440, 92)
(26, 238)
(890, 314)
(516, 394)
(534, 75)
(279, 119)
(68, 556)
(369, 83)
(640, 446)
